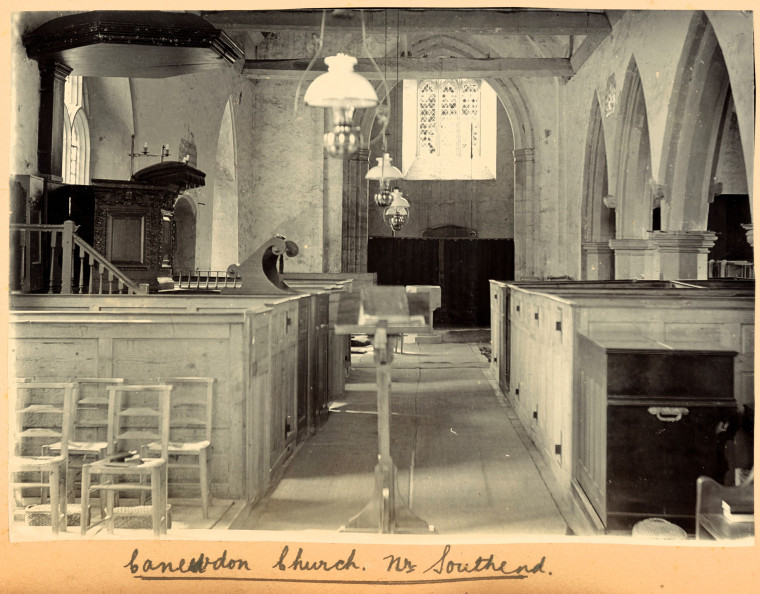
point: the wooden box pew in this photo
(538, 337)
(499, 297)
(339, 348)
(358, 280)
(247, 343)
(314, 345)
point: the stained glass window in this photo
(470, 118)
(449, 117)
(428, 118)
(449, 129)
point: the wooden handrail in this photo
(34, 227)
(114, 272)
(97, 265)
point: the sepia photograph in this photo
(380, 294)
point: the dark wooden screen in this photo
(461, 267)
(726, 215)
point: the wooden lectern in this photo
(361, 312)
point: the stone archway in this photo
(224, 240)
(184, 246)
(633, 194)
(598, 223)
(695, 119)
(698, 116)
(519, 111)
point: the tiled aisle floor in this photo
(461, 464)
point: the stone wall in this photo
(108, 105)
(288, 165)
(25, 96)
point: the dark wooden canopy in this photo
(174, 174)
(132, 44)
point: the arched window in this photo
(76, 134)
(449, 129)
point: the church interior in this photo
(511, 250)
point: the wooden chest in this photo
(650, 419)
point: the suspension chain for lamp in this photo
(308, 68)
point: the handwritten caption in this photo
(296, 561)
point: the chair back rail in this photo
(207, 403)
(158, 406)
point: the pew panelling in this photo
(540, 348)
(247, 343)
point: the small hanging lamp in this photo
(397, 214)
(340, 86)
(342, 90)
(384, 172)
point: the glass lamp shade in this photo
(398, 221)
(343, 141)
(383, 197)
(397, 214)
(340, 86)
(384, 170)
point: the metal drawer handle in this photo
(668, 414)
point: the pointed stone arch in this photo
(520, 113)
(696, 117)
(224, 236)
(185, 216)
(598, 215)
(633, 194)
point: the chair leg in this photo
(110, 495)
(63, 495)
(15, 499)
(84, 499)
(44, 490)
(156, 500)
(165, 497)
(55, 509)
(203, 469)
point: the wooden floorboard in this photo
(461, 463)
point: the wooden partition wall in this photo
(461, 267)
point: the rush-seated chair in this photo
(137, 415)
(190, 433)
(89, 427)
(40, 415)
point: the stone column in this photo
(526, 214)
(50, 127)
(598, 260)
(682, 254)
(634, 259)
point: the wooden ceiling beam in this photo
(417, 68)
(483, 21)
